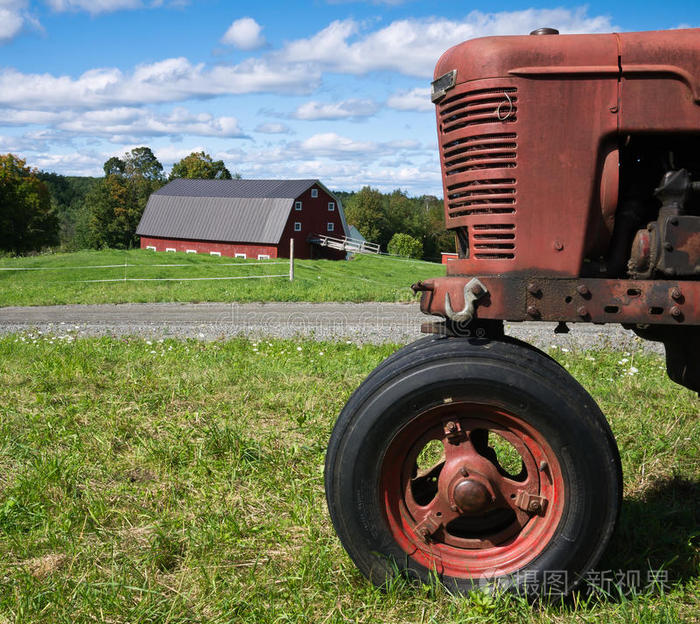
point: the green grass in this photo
(365, 278)
(180, 481)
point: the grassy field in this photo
(181, 481)
(58, 278)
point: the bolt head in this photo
(668, 246)
(532, 311)
(582, 289)
(582, 311)
(533, 506)
(558, 245)
(450, 427)
(676, 312)
(676, 294)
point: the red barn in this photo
(242, 218)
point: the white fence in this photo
(128, 269)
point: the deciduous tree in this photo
(199, 165)
(27, 222)
(118, 200)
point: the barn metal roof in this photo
(183, 187)
(253, 211)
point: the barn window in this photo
(150, 247)
(263, 256)
(240, 255)
(331, 206)
(215, 253)
(330, 227)
(297, 205)
(170, 249)
(314, 192)
(297, 226)
(191, 251)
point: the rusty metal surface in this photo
(529, 138)
(657, 302)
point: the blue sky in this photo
(328, 89)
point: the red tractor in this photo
(571, 174)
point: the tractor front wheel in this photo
(483, 463)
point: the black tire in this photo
(509, 389)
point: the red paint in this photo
(533, 124)
(205, 247)
(314, 217)
(497, 553)
(447, 257)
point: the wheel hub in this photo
(471, 496)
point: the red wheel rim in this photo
(465, 515)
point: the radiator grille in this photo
(493, 240)
(483, 151)
(482, 106)
(490, 196)
(479, 145)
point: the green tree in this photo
(27, 222)
(68, 202)
(118, 200)
(405, 245)
(199, 165)
(367, 212)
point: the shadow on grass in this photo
(660, 529)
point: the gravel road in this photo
(358, 322)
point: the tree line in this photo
(403, 225)
(41, 210)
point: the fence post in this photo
(291, 259)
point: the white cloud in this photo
(273, 128)
(94, 6)
(349, 109)
(244, 34)
(417, 99)
(13, 17)
(108, 6)
(412, 46)
(116, 124)
(170, 80)
(332, 144)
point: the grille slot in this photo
(494, 241)
(482, 106)
(493, 196)
(486, 151)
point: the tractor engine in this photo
(571, 174)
